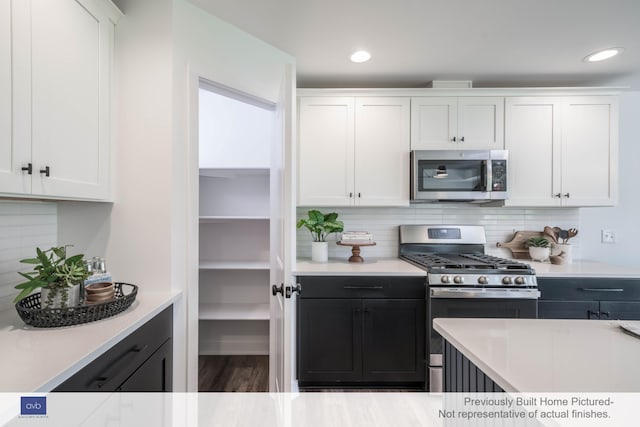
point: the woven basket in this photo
(31, 311)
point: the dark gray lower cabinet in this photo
(141, 362)
(358, 331)
(589, 298)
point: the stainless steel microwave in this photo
(459, 175)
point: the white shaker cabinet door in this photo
(434, 123)
(532, 137)
(382, 151)
(481, 123)
(6, 137)
(325, 151)
(15, 149)
(70, 98)
(590, 151)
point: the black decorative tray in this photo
(31, 311)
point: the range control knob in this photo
(483, 280)
(445, 279)
(520, 280)
(458, 279)
(506, 280)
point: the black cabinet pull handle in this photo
(605, 313)
(362, 287)
(350, 195)
(602, 289)
(359, 195)
(45, 171)
(462, 139)
(567, 195)
(115, 368)
(28, 169)
(593, 314)
(277, 289)
(558, 195)
(453, 139)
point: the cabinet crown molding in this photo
(512, 91)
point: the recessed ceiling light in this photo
(601, 55)
(360, 56)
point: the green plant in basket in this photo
(53, 271)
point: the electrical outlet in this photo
(608, 236)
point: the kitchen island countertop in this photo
(549, 355)
(39, 359)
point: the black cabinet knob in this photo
(45, 171)
(277, 289)
(28, 169)
(593, 314)
(567, 195)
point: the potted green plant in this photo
(59, 277)
(539, 248)
(321, 226)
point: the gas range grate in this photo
(465, 261)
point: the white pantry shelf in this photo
(233, 311)
(234, 265)
(223, 218)
(232, 172)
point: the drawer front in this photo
(589, 289)
(362, 287)
(112, 368)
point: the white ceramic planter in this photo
(565, 249)
(539, 254)
(73, 297)
(320, 251)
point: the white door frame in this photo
(192, 276)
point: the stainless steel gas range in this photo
(463, 281)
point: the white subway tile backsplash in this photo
(23, 227)
(499, 224)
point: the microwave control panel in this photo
(499, 175)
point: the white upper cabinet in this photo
(460, 123)
(325, 151)
(382, 151)
(62, 55)
(353, 151)
(562, 150)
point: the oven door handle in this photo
(484, 293)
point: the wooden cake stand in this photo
(355, 250)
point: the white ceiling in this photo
(492, 42)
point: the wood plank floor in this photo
(233, 373)
(251, 374)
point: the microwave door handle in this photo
(486, 175)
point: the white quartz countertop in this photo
(370, 267)
(40, 359)
(398, 267)
(583, 268)
(549, 355)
